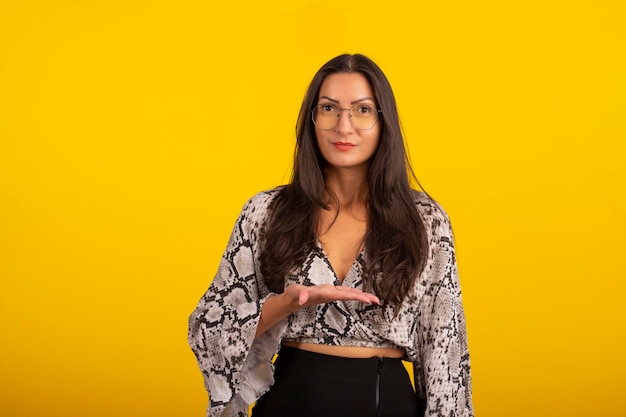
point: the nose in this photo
(344, 124)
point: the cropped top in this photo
(429, 326)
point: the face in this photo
(344, 146)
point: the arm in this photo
(236, 327)
(442, 372)
(223, 325)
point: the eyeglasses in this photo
(326, 116)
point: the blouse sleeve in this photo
(442, 371)
(237, 368)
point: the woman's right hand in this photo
(302, 295)
(297, 296)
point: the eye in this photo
(364, 109)
(327, 108)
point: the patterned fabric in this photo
(430, 326)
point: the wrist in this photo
(289, 302)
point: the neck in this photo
(349, 186)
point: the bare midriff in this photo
(347, 351)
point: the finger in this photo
(354, 292)
(368, 298)
(303, 297)
(365, 297)
(344, 293)
(371, 297)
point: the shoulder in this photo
(263, 200)
(257, 208)
(435, 218)
(428, 207)
(253, 218)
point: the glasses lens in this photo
(364, 116)
(325, 116)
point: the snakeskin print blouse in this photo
(238, 369)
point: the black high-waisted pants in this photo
(311, 384)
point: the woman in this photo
(344, 272)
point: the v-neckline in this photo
(357, 261)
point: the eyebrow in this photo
(352, 102)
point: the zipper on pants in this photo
(380, 371)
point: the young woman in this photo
(343, 272)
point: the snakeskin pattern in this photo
(430, 326)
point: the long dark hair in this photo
(396, 244)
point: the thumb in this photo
(303, 297)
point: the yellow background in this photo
(132, 132)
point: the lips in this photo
(343, 146)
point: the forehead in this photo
(346, 87)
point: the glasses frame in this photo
(339, 113)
